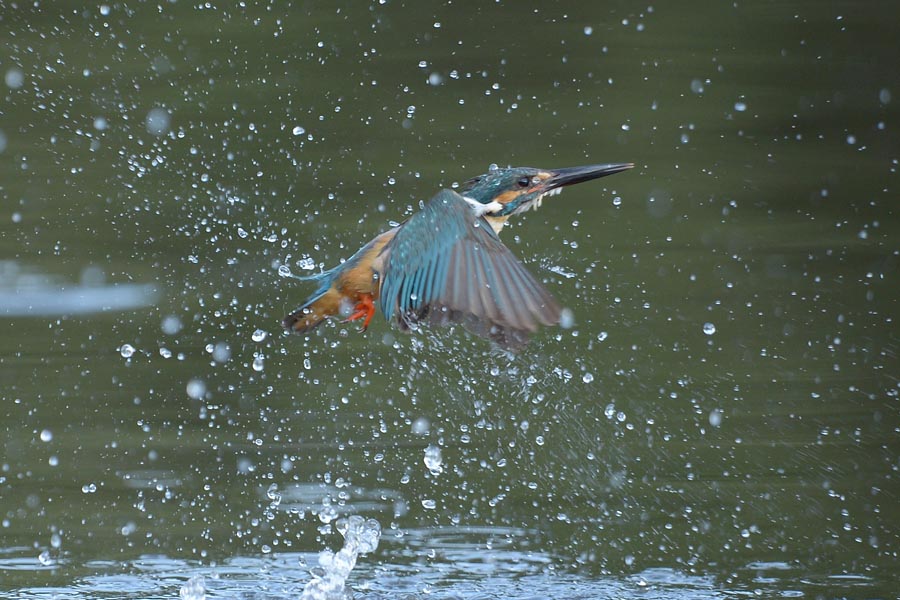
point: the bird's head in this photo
(512, 190)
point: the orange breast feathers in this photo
(360, 279)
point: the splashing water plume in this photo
(193, 589)
(361, 536)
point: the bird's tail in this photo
(315, 310)
(324, 303)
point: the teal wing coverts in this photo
(446, 265)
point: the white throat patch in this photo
(481, 209)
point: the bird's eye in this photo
(524, 182)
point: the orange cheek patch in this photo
(507, 197)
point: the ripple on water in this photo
(28, 293)
(283, 576)
(23, 558)
(320, 498)
(482, 550)
(147, 479)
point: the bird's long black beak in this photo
(573, 175)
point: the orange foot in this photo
(364, 308)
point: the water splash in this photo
(193, 589)
(361, 536)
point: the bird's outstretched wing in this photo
(446, 265)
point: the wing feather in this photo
(448, 266)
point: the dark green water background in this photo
(764, 205)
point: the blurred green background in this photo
(726, 407)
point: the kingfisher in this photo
(446, 264)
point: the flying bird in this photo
(446, 264)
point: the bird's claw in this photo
(365, 308)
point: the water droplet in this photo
(100, 123)
(273, 494)
(429, 504)
(104, 10)
(697, 86)
(298, 130)
(587, 378)
(715, 417)
(157, 121)
(740, 106)
(284, 271)
(196, 389)
(46, 435)
(433, 459)
(884, 96)
(588, 30)
(421, 426)
(171, 325)
(369, 535)
(14, 78)
(127, 350)
(258, 335)
(435, 79)
(567, 318)
(259, 363)
(221, 352)
(709, 328)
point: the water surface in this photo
(722, 420)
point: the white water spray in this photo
(361, 536)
